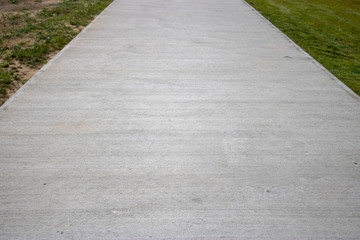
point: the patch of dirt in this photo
(15, 41)
(24, 73)
(6, 6)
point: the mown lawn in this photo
(329, 30)
(28, 38)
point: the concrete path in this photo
(181, 119)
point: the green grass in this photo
(39, 35)
(5, 80)
(329, 30)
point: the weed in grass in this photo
(14, 19)
(32, 55)
(4, 65)
(5, 80)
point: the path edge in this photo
(51, 61)
(332, 76)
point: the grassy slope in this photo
(28, 38)
(329, 30)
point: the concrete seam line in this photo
(340, 83)
(51, 61)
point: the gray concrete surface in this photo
(181, 119)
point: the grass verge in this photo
(29, 38)
(329, 30)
